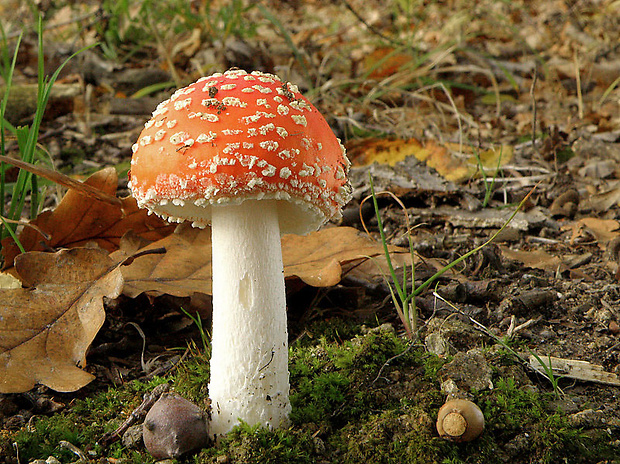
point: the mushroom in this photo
(460, 420)
(174, 426)
(247, 153)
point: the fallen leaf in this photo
(8, 281)
(317, 258)
(604, 201)
(382, 151)
(386, 61)
(537, 259)
(603, 230)
(47, 327)
(185, 268)
(79, 220)
(451, 161)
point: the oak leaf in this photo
(603, 230)
(47, 326)
(185, 268)
(537, 259)
(317, 258)
(80, 219)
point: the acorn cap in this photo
(460, 420)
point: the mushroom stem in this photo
(249, 359)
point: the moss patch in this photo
(372, 398)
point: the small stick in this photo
(578, 82)
(532, 88)
(370, 27)
(74, 449)
(138, 414)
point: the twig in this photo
(74, 449)
(513, 329)
(578, 82)
(371, 28)
(387, 363)
(532, 88)
(44, 234)
(138, 414)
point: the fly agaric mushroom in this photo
(460, 420)
(250, 155)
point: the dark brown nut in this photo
(174, 426)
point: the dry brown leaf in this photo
(439, 157)
(537, 259)
(386, 61)
(79, 220)
(603, 230)
(185, 268)
(317, 258)
(382, 151)
(46, 328)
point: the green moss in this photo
(81, 425)
(391, 437)
(43, 438)
(316, 399)
(332, 330)
(373, 398)
(192, 377)
(255, 445)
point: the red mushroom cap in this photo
(236, 136)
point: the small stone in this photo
(386, 328)
(133, 436)
(435, 343)
(588, 419)
(468, 371)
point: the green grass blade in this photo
(8, 68)
(400, 290)
(287, 38)
(12, 234)
(27, 136)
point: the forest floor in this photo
(460, 112)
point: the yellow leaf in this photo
(451, 161)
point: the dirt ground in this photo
(460, 112)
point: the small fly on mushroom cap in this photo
(249, 154)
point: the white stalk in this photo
(249, 360)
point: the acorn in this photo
(174, 426)
(460, 421)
